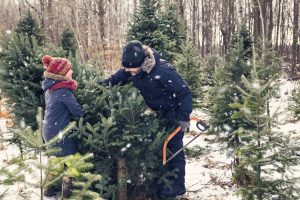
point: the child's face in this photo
(69, 74)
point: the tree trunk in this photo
(122, 180)
(101, 21)
(50, 21)
(270, 21)
(180, 7)
(257, 21)
(278, 25)
(42, 17)
(194, 18)
(295, 46)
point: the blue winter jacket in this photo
(163, 88)
(61, 107)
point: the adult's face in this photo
(133, 71)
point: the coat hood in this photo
(151, 60)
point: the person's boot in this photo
(50, 191)
(67, 186)
(172, 192)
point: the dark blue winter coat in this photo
(162, 87)
(61, 107)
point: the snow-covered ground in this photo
(208, 177)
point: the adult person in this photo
(164, 91)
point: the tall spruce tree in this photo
(21, 75)
(52, 170)
(119, 128)
(29, 26)
(266, 156)
(208, 67)
(294, 104)
(224, 92)
(68, 41)
(163, 32)
(188, 65)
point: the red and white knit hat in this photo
(59, 66)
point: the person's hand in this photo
(184, 125)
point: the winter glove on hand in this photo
(184, 125)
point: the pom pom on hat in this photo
(46, 60)
(59, 66)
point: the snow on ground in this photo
(208, 177)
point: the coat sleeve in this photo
(178, 88)
(120, 77)
(71, 103)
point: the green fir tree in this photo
(68, 41)
(224, 93)
(21, 75)
(29, 26)
(118, 128)
(294, 102)
(163, 32)
(52, 170)
(266, 156)
(188, 65)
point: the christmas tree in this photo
(208, 67)
(266, 155)
(68, 41)
(29, 26)
(163, 32)
(52, 170)
(188, 65)
(294, 105)
(224, 93)
(21, 74)
(118, 128)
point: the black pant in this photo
(177, 164)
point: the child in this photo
(61, 108)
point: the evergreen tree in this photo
(118, 128)
(172, 26)
(266, 156)
(224, 92)
(30, 27)
(54, 169)
(208, 67)
(163, 32)
(294, 105)
(21, 75)
(188, 65)
(68, 41)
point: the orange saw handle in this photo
(200, 125)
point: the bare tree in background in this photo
(295, 45)
(100, 25)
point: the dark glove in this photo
(184, 125)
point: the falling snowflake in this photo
(255, 85)
(157, 77)
(60, 135)
(226, 127)
(22, 123)
(123, 149)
